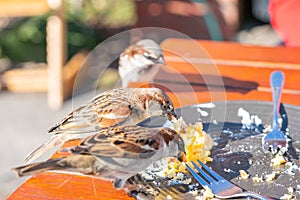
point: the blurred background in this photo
(38, 37)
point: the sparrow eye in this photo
(167, 105)
(169, 110)
(149, 56)
(146, 54)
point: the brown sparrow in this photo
(114, 153)
(123, 106)
(140, 62)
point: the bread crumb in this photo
(286, 197)
(278, 160)
(207, 193)
(290, 195)
(289, 164)
(227, 170)
(290, 190)
(187, 181)
(270, 177)
(257, 179)
(197, 146)
(197, 142)
(244, 174)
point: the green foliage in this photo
(26, 41)
(102, 13)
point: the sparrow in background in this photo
(140, 62)
(123, 106)
(114, 153)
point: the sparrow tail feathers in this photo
(35, 168)
(54, 141)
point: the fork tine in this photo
(220, 187)
(196, 176)
(212, 173)
(205, 175)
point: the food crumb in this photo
(278, 160)
(227, 170)
(197, 145)
(286, 197)
(207, 193)
(169, 197)
(290, 194)
(248, 121)
(290, 190)
(244, 174)
(271, 177)
(289, 164)
(194, 192)
(187, 181)
(257, 179)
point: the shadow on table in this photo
(184, 82)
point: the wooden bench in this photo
(56, 39)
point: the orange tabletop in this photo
(197, 72)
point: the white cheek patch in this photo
(140, 60)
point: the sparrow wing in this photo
(121, 142)
(103, 111)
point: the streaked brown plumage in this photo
(123, 106)
(114, 153)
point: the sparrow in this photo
(140, 62)
(122, 106)
(114, 153)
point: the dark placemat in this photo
(240, 148)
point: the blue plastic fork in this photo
(219, 186)
(276, 141)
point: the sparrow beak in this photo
(181, 156)
(172, 115)
(161, 60)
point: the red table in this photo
(217, 71)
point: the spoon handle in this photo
(276, 81)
